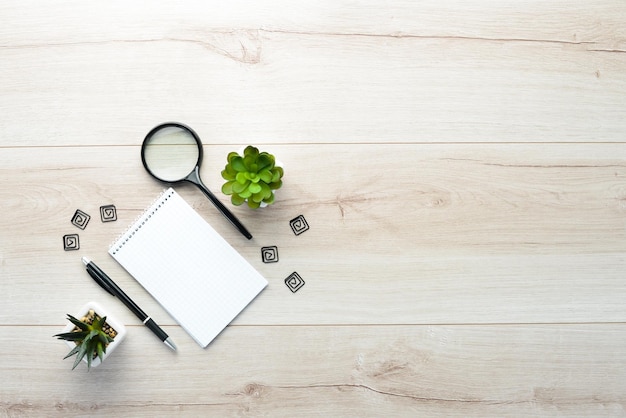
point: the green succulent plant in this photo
(251, 177)
(91, 335)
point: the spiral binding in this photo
(135, 226)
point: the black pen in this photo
(109, 285)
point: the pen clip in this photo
(99, 280)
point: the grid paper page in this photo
(198, 278)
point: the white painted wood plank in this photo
(520, 75)
(563, 21)
(425, 233)
(464, 371)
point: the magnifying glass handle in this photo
(194, 178)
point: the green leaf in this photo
(246, 193)
(249, 162)
(252, 204)
(269, 200)
(89, 359)
(265, 161)
(237, 164)
(78, 323)
(98, 323)
(257, 197)
(101, 349)
(266, 176)
(231, 155)
(238, 187)
(276, 185)
(242, 177)
(72, 352)
(254, 188)
(81, 353)
(265, 190)
(72, 336)
(76, 362)
(237, 200)
(227, 188)
(228, 174)
(104, 338)
(280, 172)
(251, 151)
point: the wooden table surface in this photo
(461, 165)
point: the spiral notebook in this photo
(196, 276)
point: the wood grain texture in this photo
(420, 226)
(347, 72)
(332, 371)
(461, 165)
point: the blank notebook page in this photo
(198, 278)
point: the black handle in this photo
(194, 178)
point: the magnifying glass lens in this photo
(171, 153)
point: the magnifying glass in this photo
(172, 153)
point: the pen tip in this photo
(85, 260)
(168, 341)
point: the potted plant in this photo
(252, 177)
(92, 336)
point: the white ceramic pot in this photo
(114, 323)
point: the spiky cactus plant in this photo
(91, 335)
(251, 177)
